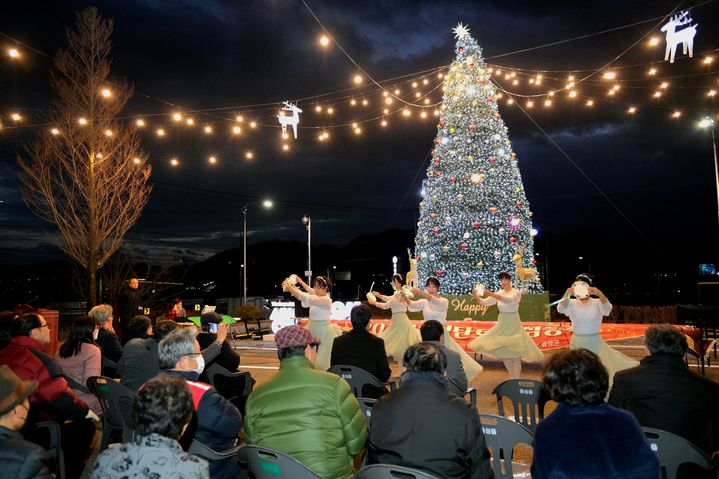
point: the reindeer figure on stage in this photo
(523, 275)
(684, 36)
(411, 279)
(292, 120)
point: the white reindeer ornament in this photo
(684, 36)
(292, 120)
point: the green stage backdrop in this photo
(533, 307)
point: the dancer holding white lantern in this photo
(434, 306)
(586, 313)
(317, 298)
(401, 334)
(506, 340)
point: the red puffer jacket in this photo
(53, 396)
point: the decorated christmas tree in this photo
(474, 218)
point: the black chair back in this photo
(389, 471)
(234, 386)
(114, 398)
(356, 377)
(54, 450)
(266, 463)
(502, 436)
(528, 398)
(673, 451)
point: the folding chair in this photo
(266, 463)
(358, 378)
(673, 451)
(233, 386)
(502, 435)
(389, 471)
(528, 399)
(54, 449)
(114, 398)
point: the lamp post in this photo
(708, 122)
(266, 204)
(308, 224)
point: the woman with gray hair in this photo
(108, 341)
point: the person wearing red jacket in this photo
(53, 399)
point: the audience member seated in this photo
(362, 349)
(662, 393)
(80, 359)
(108, 341)
(140, 362)
(160, 413)
(217, 422)
(19, 459)
(139, 327)
(433, 332)
(53, 399)
(306, 413)
(584, 436)
(424, 426)
(227, 358)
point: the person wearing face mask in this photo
(586, 305)
(80, 358)
(506, 340)
(19, 458)
(216, 422)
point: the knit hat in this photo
(13, 390)
(291, 336)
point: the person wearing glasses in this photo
(53, 398)
(217, 421)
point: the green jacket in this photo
(310, 415)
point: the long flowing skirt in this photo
(508, 340)
(613, 360)
(471, 367)
(400, 335)
(326, 332)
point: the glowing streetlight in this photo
(324, 40)
(708, 122)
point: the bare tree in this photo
(88, 176)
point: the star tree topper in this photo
(461, 31)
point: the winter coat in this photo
(362, 349)
(21, 459)
(310, 415)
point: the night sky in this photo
(216, 59)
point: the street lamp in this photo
(266, 204)
(708, 122)
(308, 223)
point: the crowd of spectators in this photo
(312, 414)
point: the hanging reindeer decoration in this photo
(684, 36)
(292, 120)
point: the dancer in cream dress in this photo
(506, 340)
(434, 306)
(586, 313)
(317, 298)
(401, 333)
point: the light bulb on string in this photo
(236, 130)
(664, 85)
(177, 116)
(285, 147)
(657, 94)
(654, 41)
(365, 102)
(711, 93)
(160, 132)
(652, 71)
(174, 162)
(253, 124)
(318, 109)
(212, 160)
(249, 155)
(54, 131)
(239, 119)
(632, 110)
(324, 41)
(16, 117)
(708, 60)
(140, 123)
(353, 102)
(384, 123)
(609, 75)
(676, 114)
(136, 160)
(106, 93)
(358, 79)
(190, 122)
(13, 53)
(590, 103)
(330, 110)
(208, 129)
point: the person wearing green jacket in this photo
(307, 413)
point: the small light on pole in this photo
(307, 221)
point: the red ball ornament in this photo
(442, 123)
(534, 262)
(512, 239)
(493, 209)
(519, 203)
(463, 246)
(475, 225)
(492, 159)
(460, 49)
(438, 173)
(437, 141)
(490, 99)
(453, 180)
(497, 116)
(433, 215)
(436, 159)
(436, 231)
(439, 272)
(472, 127)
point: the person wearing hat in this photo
(227, 358)
(18, 458)
(586, 305)
(305, 412)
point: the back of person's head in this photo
(360, 316)
(163, 328)
(431, 330)
(81, 332)
(210, 318)
(137, 327)
(425, 357)
(101, 313)
(163, 406)
(576, 377)
(24, 324)
(178, 343)
(665, 339)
